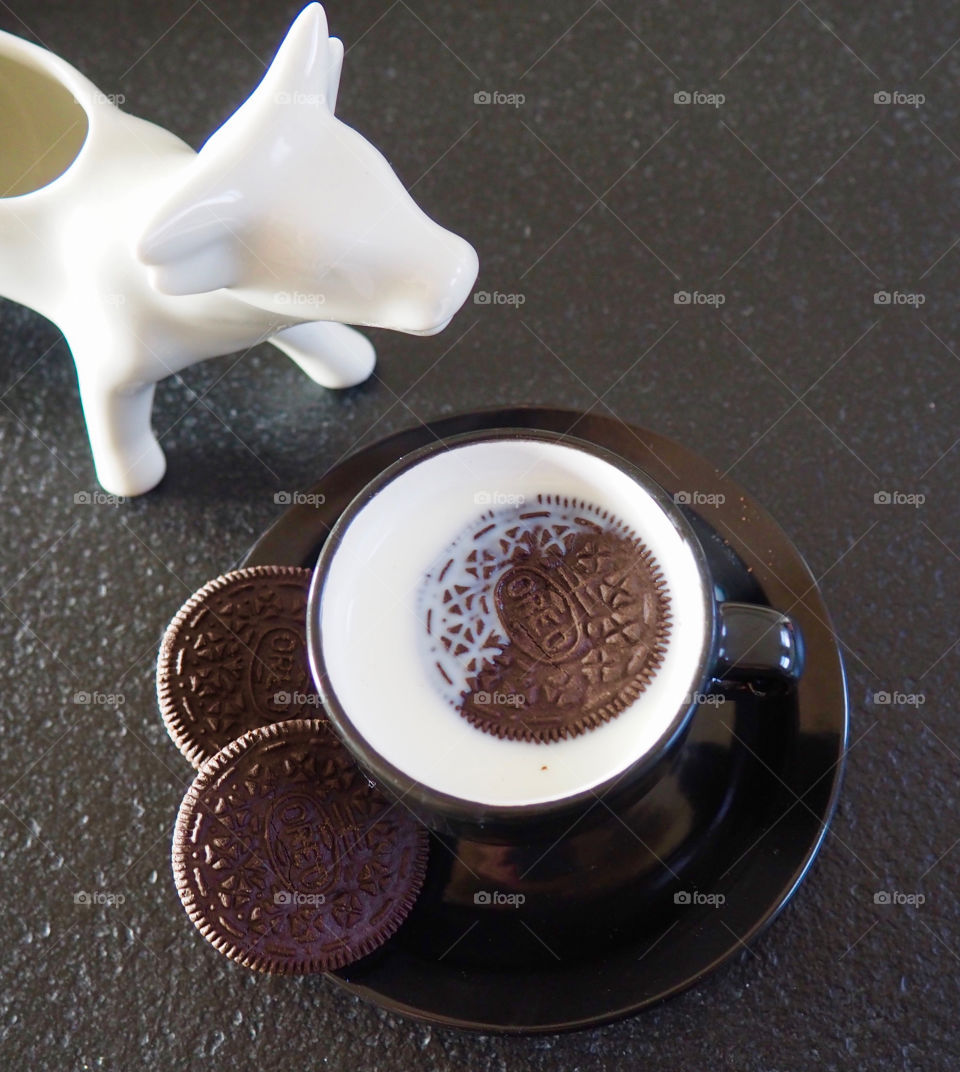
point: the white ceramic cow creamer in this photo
(286, 226)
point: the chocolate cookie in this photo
(234, 658)
(546, 620)
(287, 860)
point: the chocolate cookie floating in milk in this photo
(287, 860)
(545, 620)
(234, 658)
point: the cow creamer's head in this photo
(298, 214)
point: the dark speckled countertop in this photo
(797, 198)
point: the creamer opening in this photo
(42, 127)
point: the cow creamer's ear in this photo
(191, 244)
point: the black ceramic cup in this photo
(398, 688)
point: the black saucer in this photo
(604, 930)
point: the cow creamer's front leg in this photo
(332, 355)
(126, 453)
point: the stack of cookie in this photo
(285, 856)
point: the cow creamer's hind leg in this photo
(126, 453)
(331, 354)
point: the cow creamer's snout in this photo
(461, 275)
(441, 277)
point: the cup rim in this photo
(458, 810)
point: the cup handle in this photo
(757, 643)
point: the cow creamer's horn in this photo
(191, 239)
